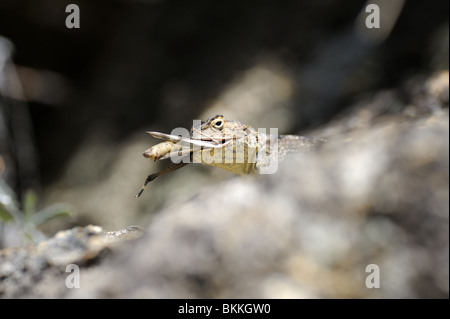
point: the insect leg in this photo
(151, 177)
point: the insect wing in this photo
(167, 137)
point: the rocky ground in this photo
(376, 193)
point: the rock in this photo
(379, 197)
(376, 194)
(34, 270)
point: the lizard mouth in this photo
(196, 139)
(214, 140)
(199, 135)
(184, 146)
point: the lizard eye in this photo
(218, 123)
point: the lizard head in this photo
(218, 129)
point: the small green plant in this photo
(28, 218)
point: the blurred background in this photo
(75, 103)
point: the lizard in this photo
(226, 144)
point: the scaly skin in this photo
(229, 145)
